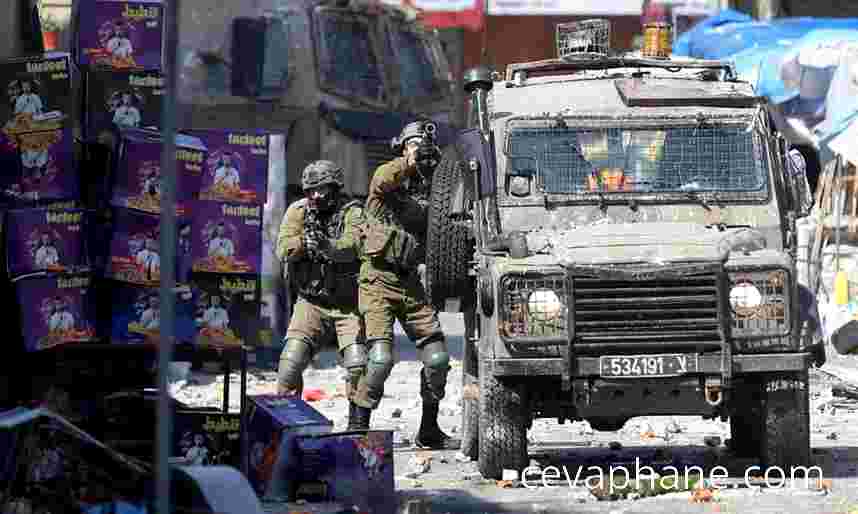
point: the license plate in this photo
(668, 365)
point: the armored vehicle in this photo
(620, 233)
(338, 79)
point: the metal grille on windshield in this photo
(722, 159)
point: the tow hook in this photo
(712, 392)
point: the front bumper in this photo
(706, 365)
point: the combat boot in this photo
(430, 436)
(358, 417)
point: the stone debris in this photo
(509, 475)
(712, 441)
(418, 465)
(461, 457)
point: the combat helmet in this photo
(415, 129)
(320, 173)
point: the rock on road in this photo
(447, 484)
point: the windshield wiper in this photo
(699, 197)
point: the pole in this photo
(168, 258)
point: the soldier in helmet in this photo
(318, 241)
(390, 285)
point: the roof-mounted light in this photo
(585, 39)
(658, 40)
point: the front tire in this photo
(503, 426)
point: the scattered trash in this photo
(712, 441)
(509, 475)
(702, 494)
(419, 464)
(397, 413)
(832, 436)
(673, 427)
(314, 395)
(461, 457)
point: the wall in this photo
(514, 39)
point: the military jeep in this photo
(620, 233)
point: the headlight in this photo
(533, 306)
(745, 295)
(760, 302)
(544, 305)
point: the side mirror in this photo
(796, 170)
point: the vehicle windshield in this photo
(669, 159)
(348, 62)
(418, 72)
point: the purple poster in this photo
(138, 176)
(121, 35)
(226, 238)
(135, 248)
(237, 166)
(45, 240)
(136, 314)
(55, 310)
(115, 99)
(227, 309)
(36, 94)
(47, 166)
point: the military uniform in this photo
(325, 279)
(390, 289)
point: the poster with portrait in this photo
(56, 309)
(226, 238)
(45, 240)
(118, 34)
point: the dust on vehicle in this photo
(620, 232)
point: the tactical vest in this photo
(330, 283)
(395, 240)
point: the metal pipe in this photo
(168, 258)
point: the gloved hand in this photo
(428, 156)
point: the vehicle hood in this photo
(645, 243)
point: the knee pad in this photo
(436, 365)
(434, 355)
(379, 364)
(354, 356)
(294, 360)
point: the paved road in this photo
(451, 486)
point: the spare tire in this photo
(449, 242)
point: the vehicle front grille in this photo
(377, 153)
(647, 316)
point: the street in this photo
(447, 484)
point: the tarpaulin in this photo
(725, 34)
(684, 43)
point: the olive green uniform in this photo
(390, 287)
(327, 305)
